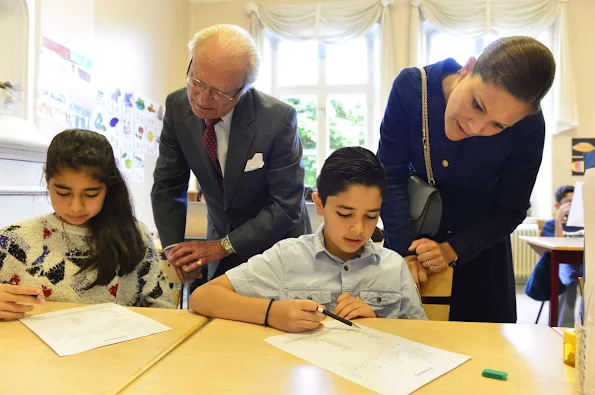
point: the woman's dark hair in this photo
(521, 65)
(116, 245)
(350, 166)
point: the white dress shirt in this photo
(222, 129)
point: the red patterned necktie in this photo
(209, 142)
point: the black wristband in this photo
(266, 317)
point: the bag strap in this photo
(425, 127)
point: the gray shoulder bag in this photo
(425, 203)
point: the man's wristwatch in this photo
(226, 244)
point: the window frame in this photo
(321, 91)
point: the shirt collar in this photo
(226, 119)
(370, 249)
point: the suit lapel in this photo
(240, 141)
(196, 126)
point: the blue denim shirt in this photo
(302, 268)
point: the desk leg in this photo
(555, 273)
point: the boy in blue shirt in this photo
(569, 274)
(338, 267)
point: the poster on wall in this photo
(138, 168)
(64, 91)
(126, 162)
(580, 146)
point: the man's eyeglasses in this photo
(197, 84)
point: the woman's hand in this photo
(295, 315)
(432, 256)
(16, 300)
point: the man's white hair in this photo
(234, 41)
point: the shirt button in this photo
(346, 268)
(378, 300)
(449, 232)
(444, 163)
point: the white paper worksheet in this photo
(79, 329)
(576, 216)
(382, 362)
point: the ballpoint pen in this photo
(336, 317)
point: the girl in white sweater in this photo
(91, 249)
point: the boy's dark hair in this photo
(562, 192)
(350, 166)
(116, 244)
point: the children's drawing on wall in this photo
(126, 163)
(580, 146)
(115, 101)
(126, 138)
(138, 168)
(151, 141)
(139, 109)
(139, 138)
(64, 92)
(128, 105)
(101, 99)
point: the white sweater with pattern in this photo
(44, 253)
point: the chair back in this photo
(436, 297)
(540, 223)
(170, 274)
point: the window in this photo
(333, 91)
(440, 46)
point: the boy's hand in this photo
(418, 272)
(295, 315)
(16, 300)
(350, 307)
(563, 211)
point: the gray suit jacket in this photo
(259, 207)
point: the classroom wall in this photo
(136, 44)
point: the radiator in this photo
(523, 257)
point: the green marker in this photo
(494, 374)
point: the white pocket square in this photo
(257, 162)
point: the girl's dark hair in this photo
(350, 166)
(521, 65)
(116, 244)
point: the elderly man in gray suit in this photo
(243, 147)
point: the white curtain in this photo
(329, 23)
(475, 18)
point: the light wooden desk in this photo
(563, 250)
(29, 366)
(228, 357)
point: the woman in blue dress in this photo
(486, 133)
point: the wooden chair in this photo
(177, 286)
(437, 294)
(540, 223)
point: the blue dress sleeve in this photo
(393, 152)
(512, 192)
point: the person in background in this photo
(91, 249)
(486, 136)
(569, 274)
(338, 267)
(244, 149)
